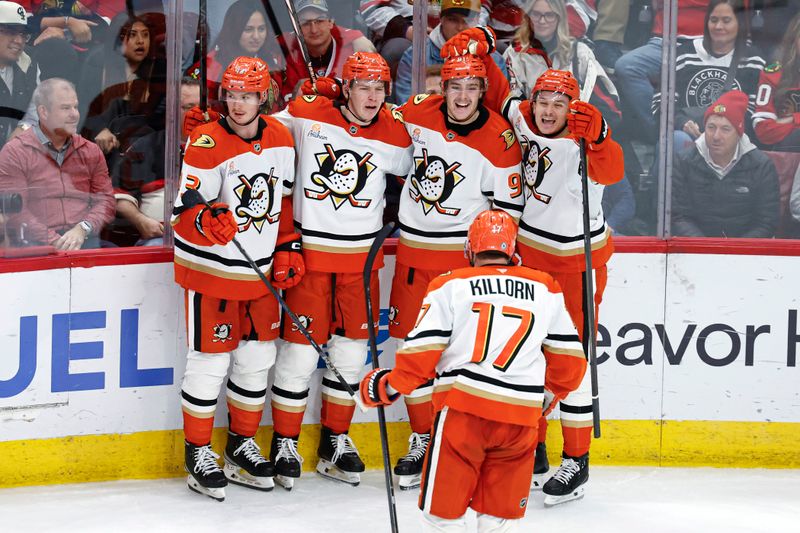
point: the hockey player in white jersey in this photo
(466, 160)
(244, 165)
(550, 126)
(492, 336)
(345, 152)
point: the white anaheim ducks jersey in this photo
(251, 177)
(459, 171)
(494, 336)
(551, 228)
(341, 180)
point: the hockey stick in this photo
(303, 49)
(202, 26)
(191, 198)
(588, 296)
(373, 345)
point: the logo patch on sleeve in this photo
(204, 141)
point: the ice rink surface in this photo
(618, 499)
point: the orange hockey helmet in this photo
(557, 81)
(466, 66)
(492, 230)
(367, 66)
(247, 75)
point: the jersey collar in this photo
(465, 129)
(262, 124)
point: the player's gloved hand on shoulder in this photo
(195, 117)
(375, 388)
(288, 266)
(327, 87)
(586, 121)
(479, 41)
(217, 224)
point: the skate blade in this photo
(213, 493)
(538, 481)
(331, 471)
(409, 482)
(551, 500)
(285, 481)
(240, 476)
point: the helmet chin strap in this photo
(358, 117)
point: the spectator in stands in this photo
(638, 71)
(609, 31)
(328, 45)
(244, 33)
(777, 117)
(505, 17)
(726, 187)
(18, 73)
(709, 66)
(456, 15)
(139, 176)
(619, 206)
(126, 86)
(389, 23)
(554, 47)
(63, 179)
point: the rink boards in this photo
(698, 366)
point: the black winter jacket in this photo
(744, 203)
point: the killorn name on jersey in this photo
(521, 290)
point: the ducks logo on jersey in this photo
(342, 175)
(222, 333)
(535, 164)
(257, 200)
(433, 183)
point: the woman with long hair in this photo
(244, 33)
(543, 41)
(777, 117)
(706, 67)
(123, 86)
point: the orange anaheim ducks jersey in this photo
(252, 177)
(458, 171)
(551, 228)
(494, 337)
(341, 180)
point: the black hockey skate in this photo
(338, 458)
(244, 464)
(288, 462)
(205, 475)
(409, 468)
(568, 483)
(540, 467)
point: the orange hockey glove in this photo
(194, 117)
(373, 388)
(288, 266)
(585, 120)
(479, 41)
(327, 87)
(217, 224)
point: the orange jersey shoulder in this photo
(212, 144)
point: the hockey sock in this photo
(420, 415)
(198, 430)
(244, 419)
(542, 429)
(287, 411)
(337, 412)
(576, 440)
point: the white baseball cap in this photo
(12, 13)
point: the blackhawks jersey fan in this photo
(492, 336)
(344, 152)
(244, 165)
(548, 127)
(466, 160)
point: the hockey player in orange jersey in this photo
(548, 127)
(494, 336)
(244, 165)
(345, 150)
(466, 160)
